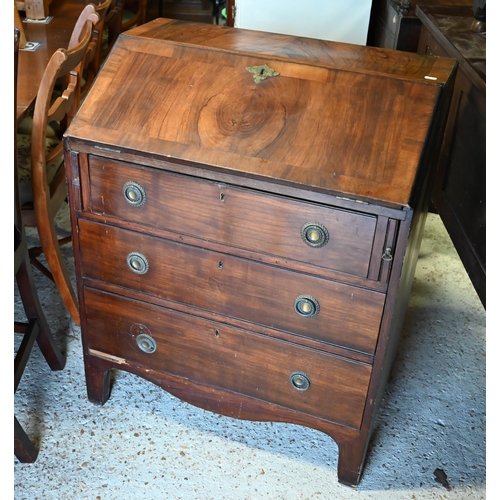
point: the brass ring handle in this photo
(137, 263)
(306, 306)
(134, 193)
(300, 381)
(387, 255)
(314, 234)
(146, 343)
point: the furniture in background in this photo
(35, 329)
(459, 193)
(201, 11)
(133, 13)
(121, 15)
(394, 24)
(52, 36)
(88, 17)
(44, 168)
(34, 9)
(20, 29)
(252, 250)
(218, 5)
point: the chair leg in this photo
(24, 350)
(33, 310)
(52, 251)
(24, 449)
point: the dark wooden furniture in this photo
(459, 193)
(35, 329)
(88, 20)
(91, 64)
(394, 24)
(200, 11)
(250, 247)
(133, 13)
(34, 9)
(48, 180)
(51, 36)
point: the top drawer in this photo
(290, 229)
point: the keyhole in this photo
(221, 264)
(222, 197)
(217, 333)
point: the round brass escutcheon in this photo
(137, 263)
(134, 194)
(300, 381)
(315, 234)
(146, 343)
(306, 306)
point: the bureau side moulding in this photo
(247, 211)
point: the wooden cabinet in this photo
(459, 193)
(247, 211)
(394, 24)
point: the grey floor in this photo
(145, 444)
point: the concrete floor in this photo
(145, 444)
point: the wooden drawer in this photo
(230, 358)
(233, 216)
(348, 316)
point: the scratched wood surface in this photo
(338, 117)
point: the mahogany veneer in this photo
(250, 247)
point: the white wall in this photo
(337, 20)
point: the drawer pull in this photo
(146, 343)
(315, 234)
(137, 263)
(306, 306)
(134, 194)
(300, 381)
(387, 255)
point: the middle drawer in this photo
(274, 297)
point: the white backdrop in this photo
(337, 20)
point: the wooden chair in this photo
(111, 30)
(133, 13)
(19, 25)
(34, 9)
(94, 58)
(48, 181)
(36, 328)
(84, 70)
(121, 16)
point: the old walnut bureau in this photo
(247, 211)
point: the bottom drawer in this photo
(306, 380)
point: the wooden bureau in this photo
(247, 212)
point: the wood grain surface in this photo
(241, 218)
(349, 316)
(228, 358)
(316, 124)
